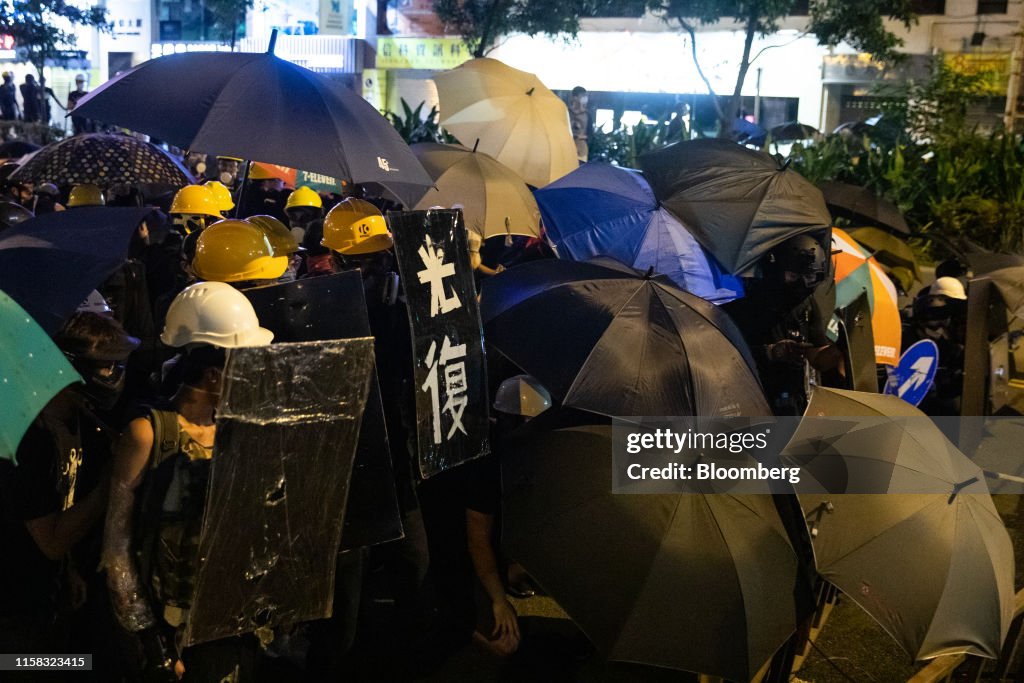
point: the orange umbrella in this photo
(858, 272)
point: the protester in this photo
(940, 314)
(238, 252)
(302, 208)
(158, 490)
(57, 494)
(79, 124)
(785, 331)
(86, 195)
(8, 98)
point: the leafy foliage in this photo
(481, 23)
(414, 127)
(861, 24)
(228, 16)
(950, 182)
(623, 146)
(43, 27)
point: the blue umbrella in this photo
(602, 210)
(51, 263)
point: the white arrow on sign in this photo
(920, 368)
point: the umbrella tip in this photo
(273, 42)
(530, 91)
(650, 273)
(476, 144)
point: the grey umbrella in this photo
(699, 583)
(738, 203)
(934, 569)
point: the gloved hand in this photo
(160, 657)
(787, 351)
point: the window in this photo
(992, 6)
(928, 6)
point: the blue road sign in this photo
(913, 376)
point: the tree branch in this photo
(691, 30)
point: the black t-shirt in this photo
(56, 468)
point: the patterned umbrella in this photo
(858, 272)
(103, 160)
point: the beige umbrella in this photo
(494, 199)
(516, 119)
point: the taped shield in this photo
(334, 307)
(287, 427)
(450, 370)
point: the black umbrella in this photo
(257, 106)
(16, 148)
(693, 582)
(51, 263)
(604, 338)
(102, 160)
(793, 130)
(1010, 283)
(861, 204)
(737, 202)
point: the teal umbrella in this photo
(32, 371)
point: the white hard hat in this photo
(949, 287)
(213, 313)
(94, 303)
(522, 395)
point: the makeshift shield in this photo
(287, 427)
(334, 307)
(450, 370)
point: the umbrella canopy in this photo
(494, 199)
(257, 106)
(691, 582)
(793, 130)
(934, 569)
(32, 371)
(1010, 283)
(982, 263)
(50, 264)
(891, 252)
(102, 160)
(13, 149)
(862, 205)
(748, 133)
(603, 338)
(604, 210)
(737, 202)
(516, 119)
(856, 273)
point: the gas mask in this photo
(104, 380)
(187, 223)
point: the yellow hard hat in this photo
(356, 227)
(221, 194)
(257, 172)
(85, 195)
(235, 251)
(196, 200)
(282, 241)
(303, 196)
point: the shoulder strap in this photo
(166, 435)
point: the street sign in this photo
(913, 376)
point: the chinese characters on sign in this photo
(421, 53)
(450, 372)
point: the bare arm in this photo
(479, 528)
(131, 454)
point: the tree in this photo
(42, 29)
(859, 24)
(481, 23)
(227, 15)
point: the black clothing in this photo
(8, 101)
(79, 124)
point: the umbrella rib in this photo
(590, 353)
